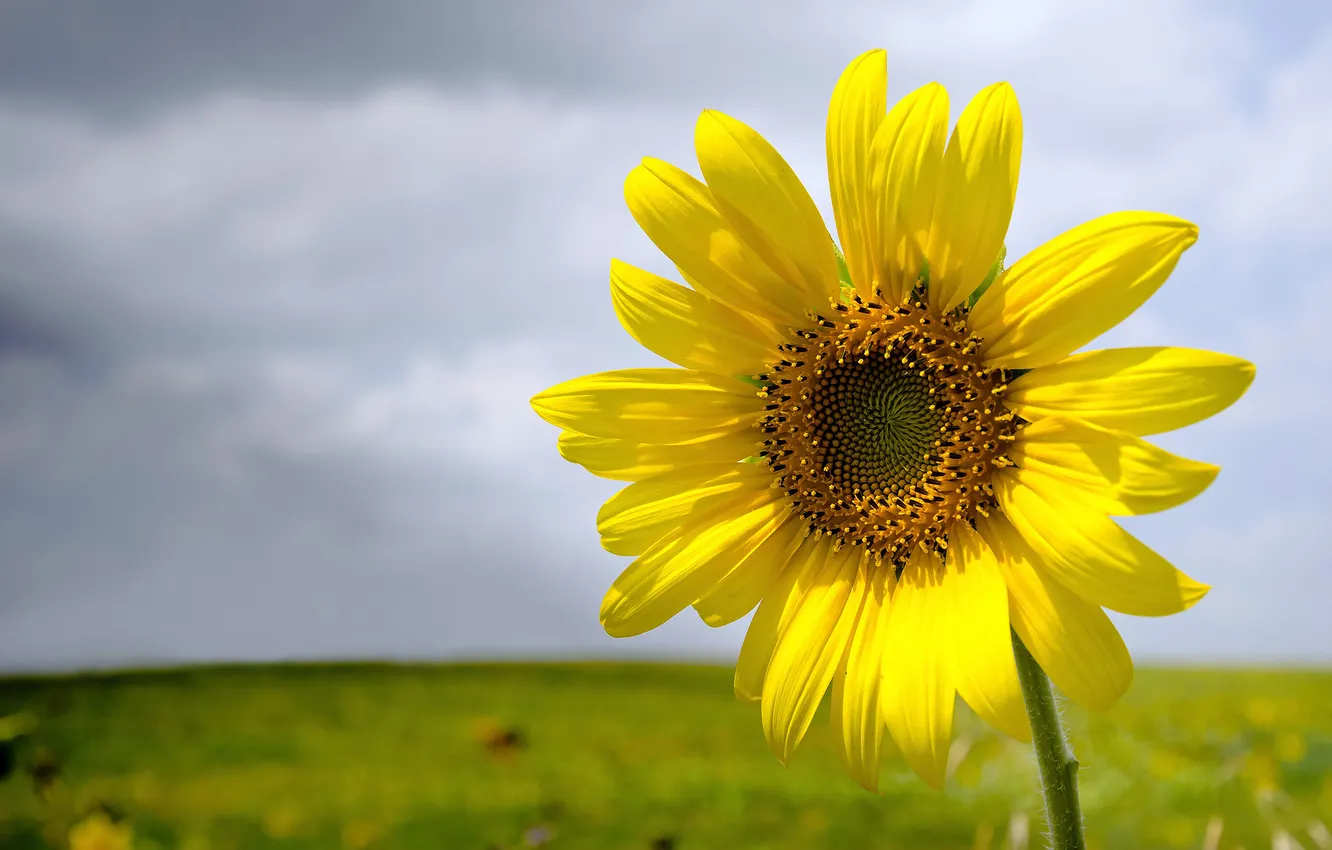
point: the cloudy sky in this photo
(277, 280)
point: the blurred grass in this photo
(656, 757)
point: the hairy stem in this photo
(1059, 769)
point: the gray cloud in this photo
(142, 53)
(287, 415)
(147, 51)
(166, 514)
(133, 58)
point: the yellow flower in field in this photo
(99, 832)
(891, 468)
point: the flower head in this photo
(890, 450)
(99, 832)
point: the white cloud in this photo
(248, 215)
(427, 410)
(1275, 195)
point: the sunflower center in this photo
(884, 427)
(874, 422)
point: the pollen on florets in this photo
(883, 426)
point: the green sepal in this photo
(995, 270)
(843, 272)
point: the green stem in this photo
(1059, 769)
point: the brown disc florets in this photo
(884, 427)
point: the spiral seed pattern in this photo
(884, 427)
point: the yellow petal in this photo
(736, 593)
(811, 646)
(680, 215)
(680, 568)
(976, 601)
(686, 327)
(646, 511)
(621, 460)
(773, 613)
(1139, 390)
(907, 158)
(976, 192)
(1073, 640)
(766, 204)
(1088, 552)
(1077, 286)
(1114, 472)
(857, 722)
(917, 692)
(663, 406)
(856, 111)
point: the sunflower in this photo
(890, 450)
(99, 832)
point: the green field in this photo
(629, 756)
